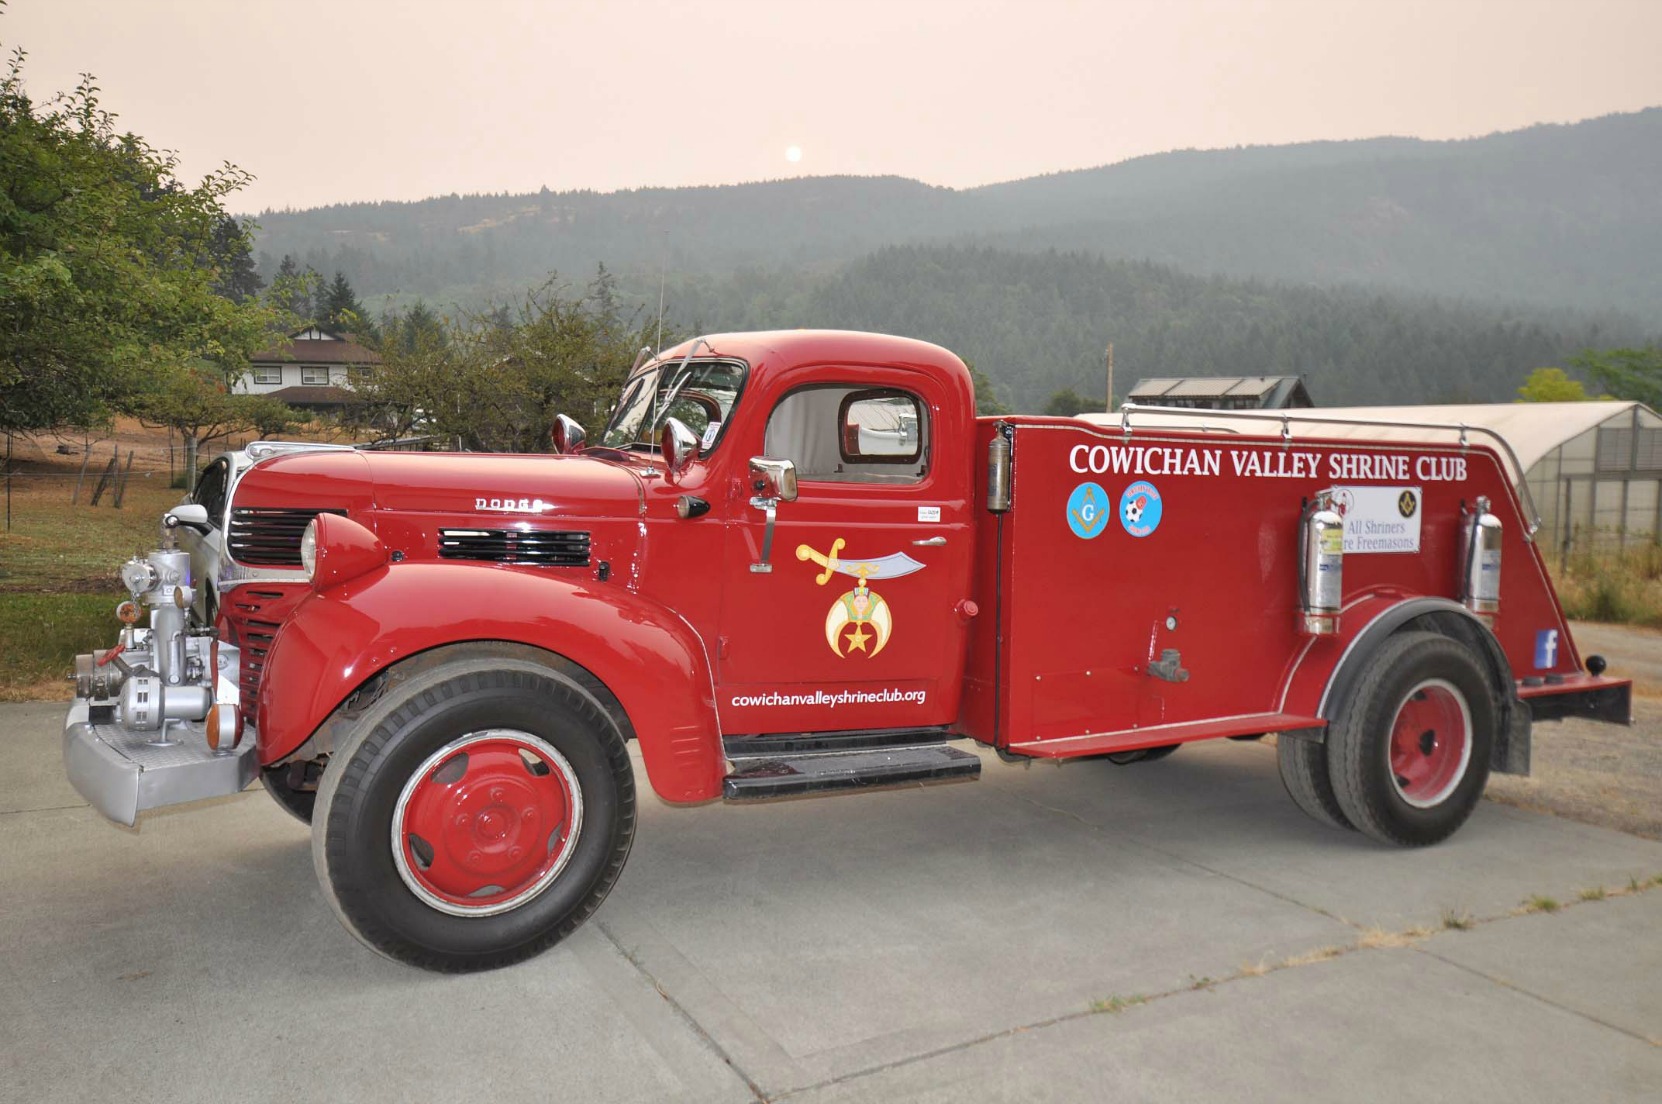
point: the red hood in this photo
(486, 484)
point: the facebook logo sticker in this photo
(1546, 649)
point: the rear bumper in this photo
(1590, 696)
(122, 773)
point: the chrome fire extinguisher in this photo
(1321, 566)
(1480, 566)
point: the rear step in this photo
(768, 767)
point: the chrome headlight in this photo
(308, 548)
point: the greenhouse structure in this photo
(1593, 469)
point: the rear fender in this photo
(1326, 673)
(646, 655)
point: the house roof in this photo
(1232, 391)
(314, 396)
(336, 350)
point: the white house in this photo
(314, 370)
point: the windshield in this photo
(701, 393)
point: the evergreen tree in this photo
(295, 292)
(235, 276)
(338, 309)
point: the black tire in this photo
(1408, 755)
(1303, 766)
(1141, 755)
(296, 803)
(401, 746)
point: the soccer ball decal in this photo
(1140, 508)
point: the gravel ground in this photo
(1597, 773)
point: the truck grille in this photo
(542, 548)
(253, 617)
(267, 537)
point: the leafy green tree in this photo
(987, 403)
(1068, 402)
(417, 379)
(1625, 373)
(1551, 385)
(496, 378)
(102, 283)
(194, 401)
(269, 417)
(562, 353)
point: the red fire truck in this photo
(798, 563)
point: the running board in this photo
(767, 769)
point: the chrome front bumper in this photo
(122, 773)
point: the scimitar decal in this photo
(859, 620)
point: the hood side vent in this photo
(266, 537)
(538, 547)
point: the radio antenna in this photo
(663, 269)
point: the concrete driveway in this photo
(1166, 931)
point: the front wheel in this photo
(475, 816)
(1408, 756)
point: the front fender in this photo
(645, 653)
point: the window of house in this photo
(268, 375)
(358, 374)
(314, 377)
(851, 434)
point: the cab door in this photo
(856, 619)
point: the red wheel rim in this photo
(1431, 743)
(487, 822)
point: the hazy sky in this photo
(346, 100)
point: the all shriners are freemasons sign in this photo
(859, 620)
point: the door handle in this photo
(932, 542)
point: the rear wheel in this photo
(475, 815)
(1303, 766)
(1409, 755)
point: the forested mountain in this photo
(1553, 215)
(1386, 270)
(1036, 323)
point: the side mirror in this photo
(190, 515)
(568, 435)
(774, 479)
(678, 444)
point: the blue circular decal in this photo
(1140, 509)
(1088, 510)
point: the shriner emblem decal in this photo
(859, 620)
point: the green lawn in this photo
(58, 585)
(40, 635)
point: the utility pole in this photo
(1110, 406)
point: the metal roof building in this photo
(1594, 469)
(1223, 392)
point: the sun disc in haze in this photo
(793, 154)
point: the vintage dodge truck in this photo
(796, 563)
